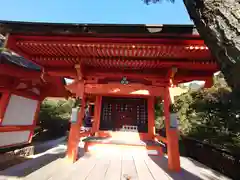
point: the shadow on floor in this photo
(34, 164)
(49, 144)
(212, 175)
(183, 174)
(12, 160)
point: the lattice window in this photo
(119, 112)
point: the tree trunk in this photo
(218, 23)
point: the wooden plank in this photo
(128, 166)
(81, 169)
(114, 170)
(141, 167)
(156, 171)
(99, 170)
(47, 171)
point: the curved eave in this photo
(14, 59)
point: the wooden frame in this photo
(74, 134)
(13, 128)
(151, 117)
(3, 104)
(115, 89)
(35, 121)
(172, 136)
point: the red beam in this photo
(3, 104)
(34, 121)
(61, 72)
(16, 128)
(18, 72)
(27, 94)
(140, 63)
(6, 81)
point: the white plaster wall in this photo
(20, 111)
(11, 138)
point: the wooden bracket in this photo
(208, 82)
(78, 68)
(171, 74)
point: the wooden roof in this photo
(16, 70)
(101, 47)
(93, 29)
(8, 57)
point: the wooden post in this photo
(172, 136)
(3, 104)
(94, 126)
(151, 117)
(98, 109)
(73, 139)
(35, 120)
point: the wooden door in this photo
(117, 112)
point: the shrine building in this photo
(118, 69)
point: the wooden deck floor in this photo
(121, 164)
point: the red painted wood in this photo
(61, 72)
(151, 117)
(27, 94)
(172, 136)
(16, 128)
(34, 121)
(18, 72)
(4, 99)
(6, 81)
(78, 39)
(73, 139)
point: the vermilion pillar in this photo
(94, 126)
(98, 113)
(35, 120)
(151, 117)
(172, 136)
(3, 104)
(73, 139)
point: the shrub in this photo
(212, 116)
(54, 116)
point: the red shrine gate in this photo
(123, 68)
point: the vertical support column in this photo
(35, 120)
(73, 139)
(3, 104)
(98, 113)
(172, 136)
(151, 117)
(96, 104)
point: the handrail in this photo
(84, 133)
(160, 138)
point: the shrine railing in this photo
(217, 159)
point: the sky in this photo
(94, 11)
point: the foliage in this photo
(54, 116)
(159, 116)
(211, 115)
